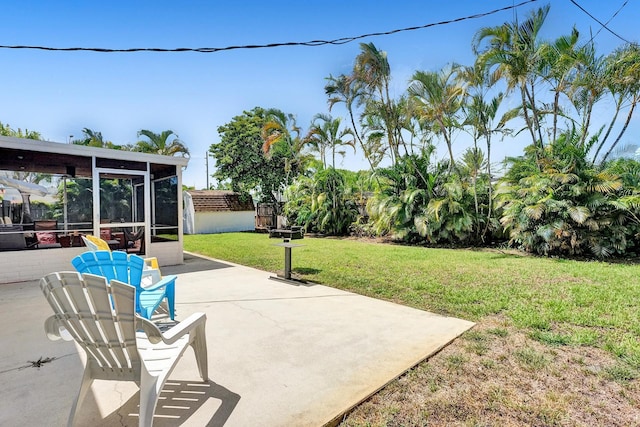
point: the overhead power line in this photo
(343, 40)
(610, 19)
(601, 23)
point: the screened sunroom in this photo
(132, 200)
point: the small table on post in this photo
(287, 245)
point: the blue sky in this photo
(59, 93)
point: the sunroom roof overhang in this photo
(17, 154)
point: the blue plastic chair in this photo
(128, 268)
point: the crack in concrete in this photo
(35, 364)
(277, 324)
(38, 363)
(121, 403)
(265, 299)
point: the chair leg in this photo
(171, 300)
(84, 388)
(148, 398)
(199, 345)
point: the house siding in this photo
(35, 264)
(220, 211)
(20, 266)
(224, 222)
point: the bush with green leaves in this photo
(556, 202)
(297, 209)
(450, 217)
(405, 190)
(421, 202)
(322, 203)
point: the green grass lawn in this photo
(556, 302)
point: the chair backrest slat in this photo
(84, 316)
(83, 304)
(115, 321)
(95, 243)
(120, 266)
(112, 265)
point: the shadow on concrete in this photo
(193, 263)
(179, 401)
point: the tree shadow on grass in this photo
(305, 270)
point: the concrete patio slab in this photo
(279, 354)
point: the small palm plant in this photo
(399, 208)
(569, 207)
(322, 203)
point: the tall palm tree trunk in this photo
(587, 122)
(527, 119)
(608, 132)
(534, 113)
(622, 131)
(556, 109)
(490, 189)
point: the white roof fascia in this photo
(84, 151)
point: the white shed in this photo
(217, 211)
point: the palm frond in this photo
(579, 213)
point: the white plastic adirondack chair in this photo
(101, 318)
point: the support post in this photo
(286, 276)
(287, 262)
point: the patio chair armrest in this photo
(186, 326)
(56, 330)
(152, 275)
(150, 329)
(175, 333)
(165, 281)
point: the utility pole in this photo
(206, 159)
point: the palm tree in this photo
(281, 133)
(6, 130)
(325, 134)
(373, 73)
(92, 138)
(514, 52)
(481, 117)
(166, 143)
(557, 67)
(373, 130)
(624, 74)
(588, 86)
(409, 122)
(279, 127)
(348, 90)
(439, 96)
(332, 205)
